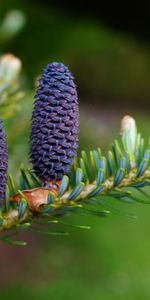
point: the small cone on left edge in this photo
(3, 161)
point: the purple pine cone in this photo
(3, 161)
(55, 123)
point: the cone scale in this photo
(55, 124)
(3, 162)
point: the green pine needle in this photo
(119, 175)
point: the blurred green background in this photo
(111, 64)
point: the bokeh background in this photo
(107, 49)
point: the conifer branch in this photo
(116, 178)
(60, 183)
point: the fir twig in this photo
(125, 169)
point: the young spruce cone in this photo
(55, 123)
(3, 161)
